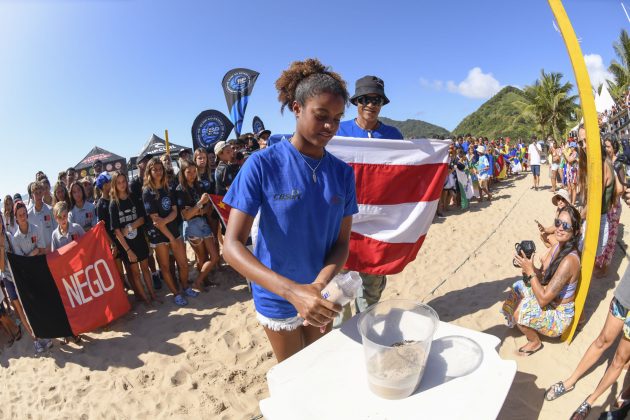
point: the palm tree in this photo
(620, 69)
(549, 102)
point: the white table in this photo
(328, 380)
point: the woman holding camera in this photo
(543, 301)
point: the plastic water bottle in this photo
(343, 288)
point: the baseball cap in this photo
(102, 179)
(218, 148)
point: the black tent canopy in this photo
(156, 146)
(111, 162)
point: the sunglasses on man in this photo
(566, 226)
(374, 100)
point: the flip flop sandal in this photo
(180, 301)
(557, 390)
(582, 412)
(530, 352)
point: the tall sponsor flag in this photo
(73, 290)
(257, 125)
(237, 86)
(399, 183)
(210, 127)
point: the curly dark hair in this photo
(567, 248)
(306, 79)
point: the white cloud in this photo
(431, 84)
(477, 85)
(597, 72)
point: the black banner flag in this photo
(210, 127)
(237, 86)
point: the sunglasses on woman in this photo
(565, 225)
(374, 100)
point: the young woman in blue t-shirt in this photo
(306, 199)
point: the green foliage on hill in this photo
(417, 129)
(500, 116)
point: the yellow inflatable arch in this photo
(594, 157)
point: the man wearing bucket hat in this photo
(369, 97)
(484, 172)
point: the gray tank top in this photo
(622, 292)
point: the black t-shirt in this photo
(187, 197)
(207, 183)
(135, 185)
(102, 213)
(123, 213)
(159, 202)
(224, 176)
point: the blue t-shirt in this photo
(465, 146)
(300, 219)
(483, 165)
(351, 129)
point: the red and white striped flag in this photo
(399, 183)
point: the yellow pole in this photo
(168, 148)
(594, 157)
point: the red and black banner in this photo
(73, 290)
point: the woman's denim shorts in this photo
(196, 228)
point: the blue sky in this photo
(76, 74)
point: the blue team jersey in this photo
(300, 219)
(351, 129)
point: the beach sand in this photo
(209, 360)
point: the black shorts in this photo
(139, 247)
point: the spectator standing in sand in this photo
(533, 151)
(369, 98)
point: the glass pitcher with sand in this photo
(397, 336)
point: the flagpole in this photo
(625, 11)
(168, 147)
(594, 160)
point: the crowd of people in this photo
(476, 164)
(542, 303)
(153, 217)
(148, 218)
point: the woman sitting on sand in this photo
(306, 198)
(617, 321)
(547, 234)
(543, 301)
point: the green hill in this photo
(417, 129)
(498, 116)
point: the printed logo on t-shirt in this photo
(166, 203)
(336, 200)
(88, 215)
(46, 218)
(131, 234)
(293, 195)
(33, 239)
(75, 236)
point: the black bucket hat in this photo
(369, 85)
